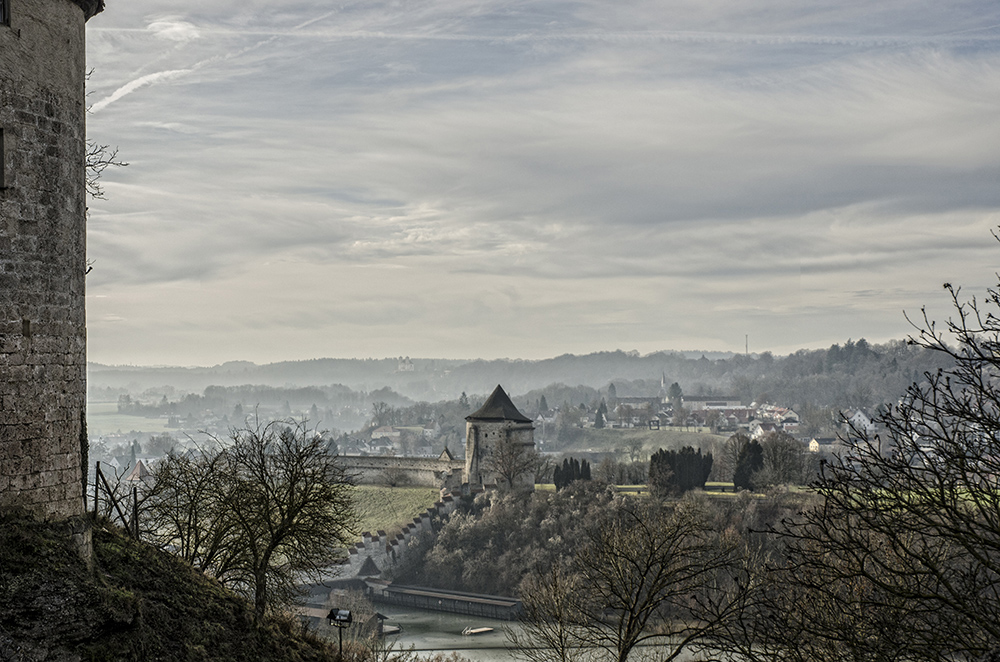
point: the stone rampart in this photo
(380, 551)
(418, 471)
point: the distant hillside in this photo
(139, 604)
(852, 374)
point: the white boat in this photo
(473, 631)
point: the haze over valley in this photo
(338, 395)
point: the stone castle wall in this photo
(378, 552)
(418, 471)
(43, 257)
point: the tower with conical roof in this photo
(494, 433)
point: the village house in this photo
(699, 402)
(760, 429)
(385, 432)
(855, 419)
(824, 444)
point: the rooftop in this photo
(498, 407)
(90, 7)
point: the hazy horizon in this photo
(527, 179)
(688, 354)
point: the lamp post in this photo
(340, 619)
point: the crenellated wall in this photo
(43, 256)
(377, 552)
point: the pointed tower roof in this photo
(140, 472)
(90, 7)
(498, 407)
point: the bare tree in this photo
(901, 559)
(808, 613)
(635, 450)
(271, 508)
(639, 580)
(510, 461)
(625, 415)
(782, 455)
(681, 416)
(394, 477)
(714, 419)
(382, 414)
(727, 460)
(98, 158)
(185, 511)
(550, 620)
(292, 507)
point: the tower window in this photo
(3, 159)
(4, 12)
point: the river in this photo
(434, 631)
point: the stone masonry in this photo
(43, 255)
(429, 472)
(498, 422)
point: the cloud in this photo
(174, 30)
(574, 174)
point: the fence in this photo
(114, 502)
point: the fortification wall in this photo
(43, 257)
(427, 472)
(380, 551)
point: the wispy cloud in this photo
(522, 179)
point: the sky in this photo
(528, 178)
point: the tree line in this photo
(816, 383)
(570, 470)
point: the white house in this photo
(858, 420)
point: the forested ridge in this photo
(852, 374)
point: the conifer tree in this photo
(749, 462)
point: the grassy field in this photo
(103, 418)
(609, 440)
(388, 508)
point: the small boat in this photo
(391, 629)
(469, 631)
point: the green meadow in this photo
(103, 418)
(388, 508)
(615, 439)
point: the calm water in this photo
(434, 631)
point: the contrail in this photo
(134, 85)
(149, 79)
(595, 36)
